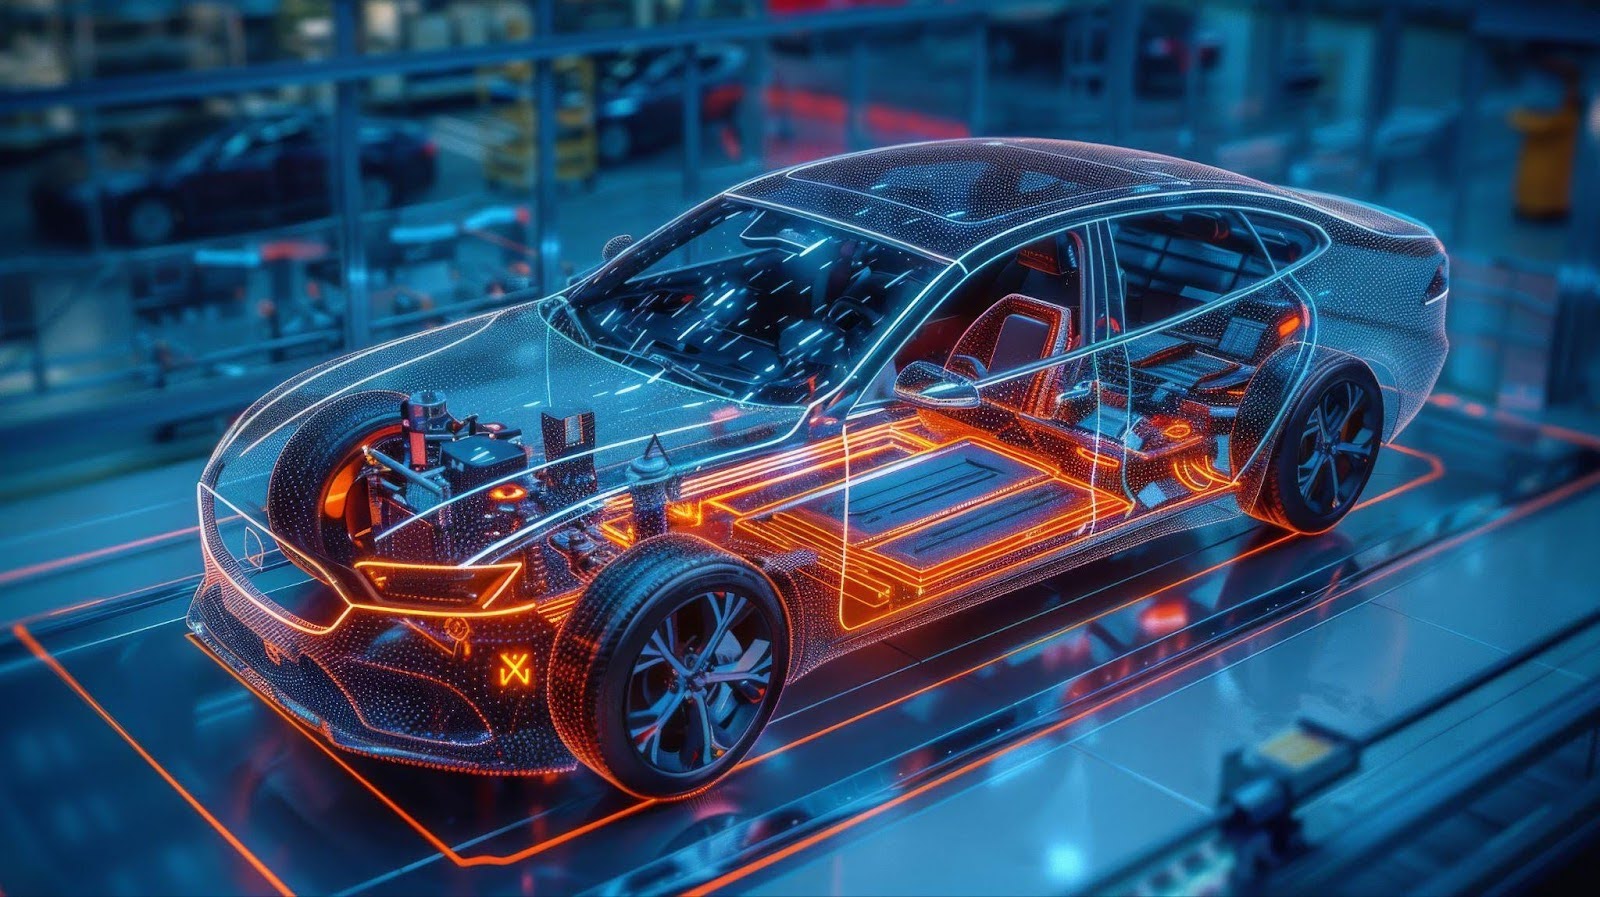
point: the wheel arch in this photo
(1286, 371)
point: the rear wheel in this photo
(1325, 451)
(670, 667)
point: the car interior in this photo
(1164, 392)
(773, 307)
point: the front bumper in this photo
(461, 693)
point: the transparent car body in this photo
(869, 511)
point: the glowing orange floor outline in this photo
(1436, 470)
(741, 872)
(49, 660)
(449, 852)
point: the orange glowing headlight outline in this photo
(508, 573)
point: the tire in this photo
(306, 477)
(615, 142)
(150, 221)
(377, 192)
(631, 715)
(1325, 449)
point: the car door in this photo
(940, 501)
(1191, 309)
(237, 187)
(301, 171)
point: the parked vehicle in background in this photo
(640, 97)
(1167, 44)
(263, 171)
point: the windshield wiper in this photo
(562, 309)
(667, 363)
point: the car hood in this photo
(507, 367)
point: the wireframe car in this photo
(830, 404)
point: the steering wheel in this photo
(847, 314)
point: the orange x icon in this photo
(514, 668)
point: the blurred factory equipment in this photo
(1548, 123)
(511, 144)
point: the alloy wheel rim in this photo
(698, 684)
(376, 193)
(152, 223)
(1337, 447)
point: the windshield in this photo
(748, 302)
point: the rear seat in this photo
(1188, 363)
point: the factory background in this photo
(199, 200)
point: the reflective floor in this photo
(1027, 746)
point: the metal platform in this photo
(1034, 744)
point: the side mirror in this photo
(927, 385)
(614, 246)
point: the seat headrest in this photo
(1041, 256)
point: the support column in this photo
(855, 136)
(979, 89)
(1380, 95)
(545, 193)
(693, 127)
(346, 176)
(1472, 68)
(1121, 56)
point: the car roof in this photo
(945, 197)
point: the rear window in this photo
(1172, 262)
(1286, 241)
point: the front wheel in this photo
(1325, 451)
(316, 497)
(151, 221)
(615, 142)
(669, 667)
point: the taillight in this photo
(1439, 286)
(430, 149)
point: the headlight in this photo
(438, 587)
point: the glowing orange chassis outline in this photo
(451, 853)
(872, 583)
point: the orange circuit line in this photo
(489, 860)
(26, 637)
(795, 847)
(1436, 470)
(788, 850)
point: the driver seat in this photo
(1015, 331)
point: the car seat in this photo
(1016, 331)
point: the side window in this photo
(1286, 241)
(1046, 276)
(1174, 262)
(1027, 302)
